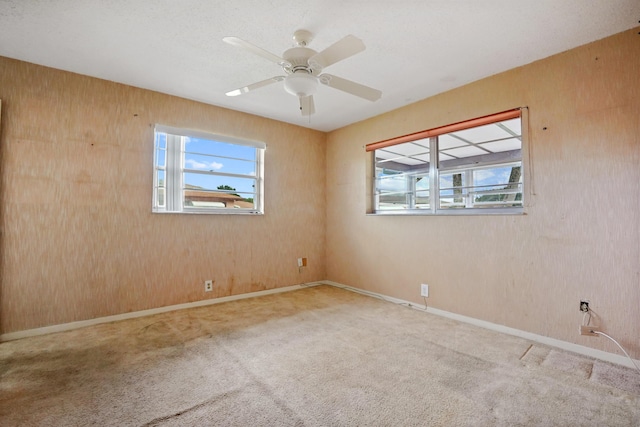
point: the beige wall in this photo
(79, 240)
(580, 237)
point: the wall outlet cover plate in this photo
(424, 290)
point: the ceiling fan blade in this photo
(307, 106)
(235, 41)
(342, 49)
(254, 86)
(348, 86)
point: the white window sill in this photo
(448, 212)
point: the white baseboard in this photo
(84, 323)
(564, 345)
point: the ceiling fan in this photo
(303, 66)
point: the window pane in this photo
(448, 141)
(400, 190)
(244, 187)
(485, 133)
(465, 151)
(218, 191)
(161, 158)
(219, 149)
(453, 192)
(484, 172)
(160, 194)
(392, 189)
(414, 154)
(498, 187)
(161, 140)
(503, 145)
(217, 199)
(219, 164)
(402, 179)
(422, 191)
(161, 150)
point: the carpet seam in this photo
(526, 351)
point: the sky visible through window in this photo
(481, 178)
(214, 156)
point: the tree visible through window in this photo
(197, 172)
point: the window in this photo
(198, 172)
(472, 166)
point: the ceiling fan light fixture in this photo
(303, 67)
(301, 84)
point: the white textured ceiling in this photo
(415, 49)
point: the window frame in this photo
(174, 170)
(434, 169)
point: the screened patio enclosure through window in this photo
(478, 167)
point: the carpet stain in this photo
(616, 376)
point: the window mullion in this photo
(376, 185)
(201, 172)
(434, 183)
(468, 178)
(174, 173)
(259, 181)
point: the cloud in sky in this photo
(393, 183)
(194, 164)
(492, 176)
(398, 183)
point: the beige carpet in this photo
(319, 356)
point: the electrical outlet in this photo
(424, 290)
(299, 262)
(208, 285)
(589, 330)
(584, 305)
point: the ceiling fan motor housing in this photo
(298, 57)
(301, 80)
